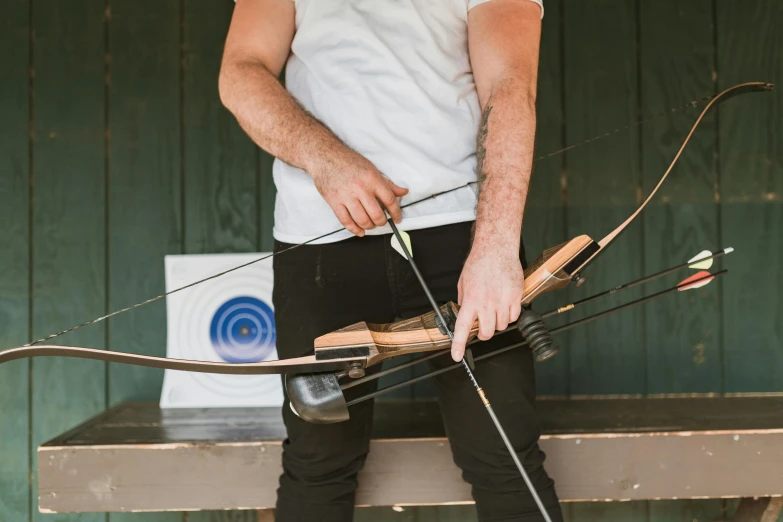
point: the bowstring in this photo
(690, 104)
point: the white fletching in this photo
(703, 265)
(396, 244)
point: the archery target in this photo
(243, 330)
(227, 319)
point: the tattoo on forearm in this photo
(481, 148)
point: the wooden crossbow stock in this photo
(312, 381)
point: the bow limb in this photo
(724, 95)
(586, 254)
(308, 364)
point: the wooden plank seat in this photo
(137, 457)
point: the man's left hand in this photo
(490, 290)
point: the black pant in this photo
(320, 288)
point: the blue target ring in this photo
(243, 330)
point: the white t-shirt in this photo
(393, 81)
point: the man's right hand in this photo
(355, 190)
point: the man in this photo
(384, 104)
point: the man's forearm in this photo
(504, 162)
(275, 121)
(357, 192)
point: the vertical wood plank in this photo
(14, 259)
(226, 516)
(267, 194)
(417, 514)
(544, 223)
(144, 182)
(683, 337)
(682, 332)
(603, 182)
(69, 214)
(608, 511)
(221, 191)
(751, 192)
(144, 190)
(385, 514)
(221, 209)
(687, 510)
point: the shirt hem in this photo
(416, 223)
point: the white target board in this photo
(227, 319)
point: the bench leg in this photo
(774, 508)
(766, 509)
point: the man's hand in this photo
(490, 290)
(355, 190)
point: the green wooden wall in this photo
(114, 151)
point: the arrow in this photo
(402, 242)
(701, 261)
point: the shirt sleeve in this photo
(474, 3)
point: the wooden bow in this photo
(364, 344)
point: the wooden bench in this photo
(137, 457)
